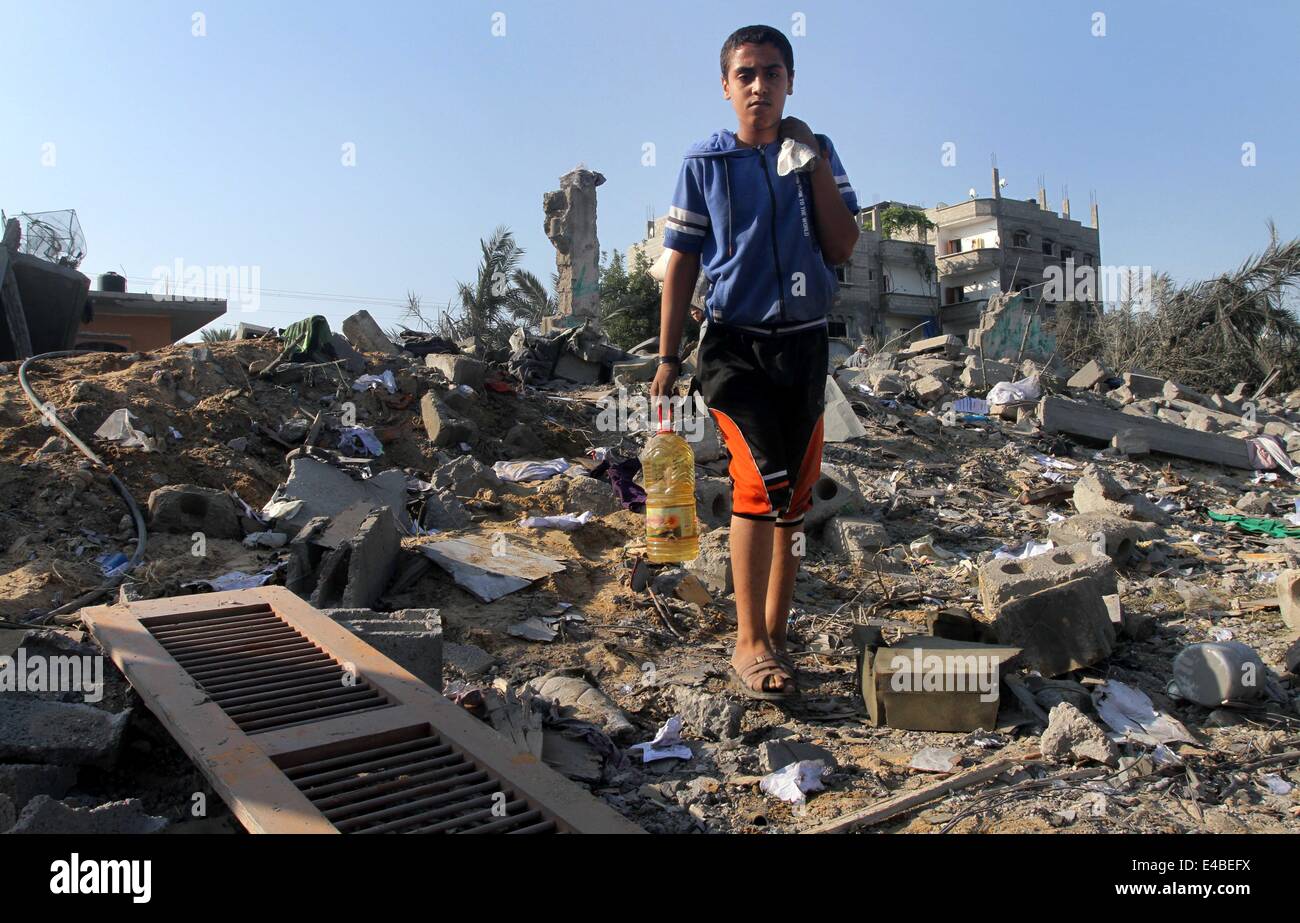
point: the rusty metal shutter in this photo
(303, 727)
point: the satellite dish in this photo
(1002, 184)
(971, 192)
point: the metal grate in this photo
(262, 672)
(422, 785)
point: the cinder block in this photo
(411, 638)
(1121, 535)
(442, 426)
(185, 508)
(713, 500)
(1058, 629)
(855, 537)
(1004, 580)
(834, 493)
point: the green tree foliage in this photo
(896, 218)
(629, 301)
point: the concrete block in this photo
(981, 378)
(583, 493)
(855, 537)
(470, 659)
(1173, 391)
(363, 333)
(442, 511)
(839, 422)
(45, 815)
(949, 346)
(944, 369)
(1091, 375)
(353, 361)
(1143, 386)
(1121, 535)
(886, 383)
(464, 477)
(1058, 629)
(186, 508)
(682, 584)
(411, 638)
(1130, 442)
(634, 370)
(1072, 736)
(713, 564)
(713, 500)
(706, 714)
(458, 369)
(356, 573)
(1000, 581)
(930, 389)
(442, 426)
(64, 733)
(1097, 491)
(834, 493)
(932, 684)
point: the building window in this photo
(954, 246)
(1067, 253)
(1087, 259)
(1020, 239)
(837, 328)
(952, 295)
(1047, 247)
(889, 287)
(842, 273)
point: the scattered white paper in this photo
(1276, 784)
(667, 743)
(530, 470)
(117, 428)
(370, 382)
(792, 783)
(1029, 549)
(1129, 712)
(238, 580)
(1048, 462)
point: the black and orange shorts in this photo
(766, 392)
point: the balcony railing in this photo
(986, 259)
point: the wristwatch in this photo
(670, 360)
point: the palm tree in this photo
(500, 294)
(533, 301)
(217, 334)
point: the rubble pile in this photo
(1104, 566)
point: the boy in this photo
(767, 244)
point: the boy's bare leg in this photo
(751, 568)
(780, 584)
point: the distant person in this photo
(767, 243)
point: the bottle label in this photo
(670, 521)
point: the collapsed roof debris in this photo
(1095, 558)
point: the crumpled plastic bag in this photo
(793, 782)
(117, 428)
(568, 522)
(795, 157)
(1014, 392)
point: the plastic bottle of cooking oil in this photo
(668, 470)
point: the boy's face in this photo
(757, 84)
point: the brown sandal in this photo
(787, 664)
(752, 680)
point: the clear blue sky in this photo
(226, 148)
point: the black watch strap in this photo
(670, 360)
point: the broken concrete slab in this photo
(1058, 629)
(45, 815)
(465, 477)
(62, 733)
(489, 567)
(469, 659)
(324, 490)
(442, 511)
(1060, 415)
(458, 369)
(1144, 386)
(571, 689)
(775, 755)
(949, 346)
(1288, 597)
(366, 335)
(682, 584)
(1097, 491)
(839, 422)
(1072, 736)
(187, 509)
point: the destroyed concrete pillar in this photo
(571, 226)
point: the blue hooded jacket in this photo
(755, 233)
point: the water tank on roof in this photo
(112, 282)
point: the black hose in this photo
(142, 534)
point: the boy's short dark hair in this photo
(757, 35)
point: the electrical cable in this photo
(142, 535)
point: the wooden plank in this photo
(1060, 415)
(891, 807)
(244, 767)
(13, 307)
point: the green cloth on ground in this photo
(1258, 525)
(307, 336)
